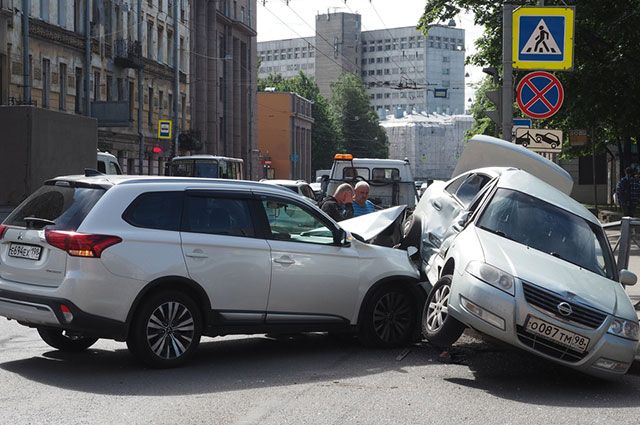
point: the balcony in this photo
(128, 54)
(7, 8)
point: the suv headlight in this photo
(625, 328)
(492, 275)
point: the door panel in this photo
(313, 279)
(223, 256)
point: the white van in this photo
(108, 164)
(390, 180)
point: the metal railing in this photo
(626, 238)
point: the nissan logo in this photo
(564, 309)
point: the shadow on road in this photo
(219, 366)
(516, 375)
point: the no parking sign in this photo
(539, 95)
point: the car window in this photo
(155, 210)
(547, 228)
(217, 216)
(385, 174)
(352, 172)
(454, 185)
(290, 222)
(113, 168)
(101, 167)
(470, 188)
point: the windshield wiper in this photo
(496, 232)
(37, 223)
(555, 254)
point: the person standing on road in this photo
(338, 206)
(361, 203)
(628, 192)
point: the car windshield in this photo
(547, 228)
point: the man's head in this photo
(344, 193)
(361, 192)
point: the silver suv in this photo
(159, 261)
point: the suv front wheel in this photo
(166, 330)
(389, 317)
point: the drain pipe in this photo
(87, 58)
(140, 94)
(26, 71)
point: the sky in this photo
(299, 18)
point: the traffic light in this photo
(495, 96)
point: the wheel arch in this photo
(448, 267)
(408, 282)
(178, 283)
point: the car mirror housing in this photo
(339, 236)
(628, 278)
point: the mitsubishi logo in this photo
(564, 309)
(20, 236)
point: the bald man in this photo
(338, 206)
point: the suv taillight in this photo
(80, 244)
(3, 229)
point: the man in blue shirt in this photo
(361, 204)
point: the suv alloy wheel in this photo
(166, 330)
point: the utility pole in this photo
(140, 94)
(507, 71)
(87, 58)
(26, 71)
(176, 78)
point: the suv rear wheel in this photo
(166, 330)
(389, 317)
(63, 341)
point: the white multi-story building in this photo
(400, 67)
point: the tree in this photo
(601, 93)
(359, 123)
(325, 136)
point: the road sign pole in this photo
(507, 70)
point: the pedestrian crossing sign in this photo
(543, 38)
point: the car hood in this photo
(369, 226)
(485, 151)
(548, 272)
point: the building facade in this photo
(285, 121)
(400, 67)
(61, 55)
(223, 99)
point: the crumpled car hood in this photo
(549, 272)
(369, 226)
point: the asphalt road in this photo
(308, 379)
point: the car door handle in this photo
(436, 205)
(197, 255)
(285, 259)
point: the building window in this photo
(109, 88)
(150, 40)
(160, 44)
(170, 99)
(46, 82)
(96, 86)
(242, 14)
(44, 10)
(78, 25)
(445, 59)
(183, 109)
(131, 100)
(160, 104)
(78, 99)
(62, 104)
(62, 13)
(183, 53)
(120, 90)
(160, 5)
(150, 112)
(170, 48)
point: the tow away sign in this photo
(543, 38)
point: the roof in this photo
(524, 182)
(373, 161)
(284, 182)
(203, 157)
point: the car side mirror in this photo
(411, 251)
(462, 220)
(338, 236)
(628, 278)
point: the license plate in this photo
(30, 252)
(556, 334)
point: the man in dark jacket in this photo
(338, 206)
(628, 192)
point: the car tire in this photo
(539, 139)
(166, 330)
(438, 326)
(525, 144)
(57, 338)
(411, 232)
(553, 145)
(389, 317)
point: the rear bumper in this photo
(38, 311)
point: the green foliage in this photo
(361, 132)
(601, 93)
(482, 124)
(325, 136)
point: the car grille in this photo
(549, 301)
(548, 347)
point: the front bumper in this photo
(515, 311)
(40, 311)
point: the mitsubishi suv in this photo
(160, 261)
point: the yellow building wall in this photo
(274, 131)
